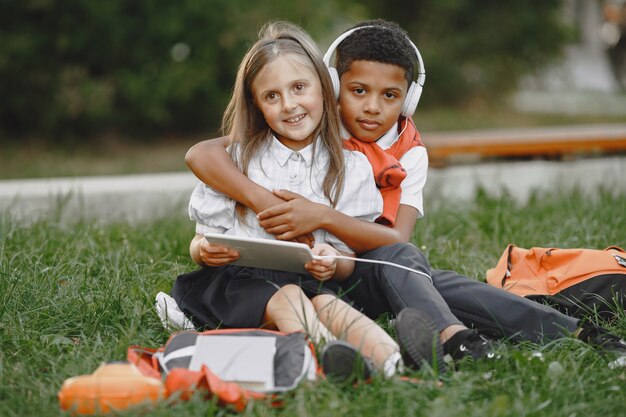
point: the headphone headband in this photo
(415, 88)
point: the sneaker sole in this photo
(342, 363)
(419, 340)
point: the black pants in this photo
(450, 299)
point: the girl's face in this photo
(289, 94)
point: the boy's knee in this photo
(406, 254)
(408, 249)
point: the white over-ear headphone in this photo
(415, 89)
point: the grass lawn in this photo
(75, 295)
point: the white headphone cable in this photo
(406, 123)
(375, 261)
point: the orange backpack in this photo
(577, 281)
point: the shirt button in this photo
(293, 175)
(295, 156)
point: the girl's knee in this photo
(324, 301)
(287, 296)
(287, 307)
(292, 292)
(329, 308)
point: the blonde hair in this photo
(244, 122)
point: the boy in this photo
(374, 66)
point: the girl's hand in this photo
(307, 239)
(322, 269)
(290, 220)
(213, 254)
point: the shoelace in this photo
(611, 342)
(602, 338)
(477, 346)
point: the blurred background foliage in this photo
(80, 68)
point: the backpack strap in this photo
(185, 382)
(145, 359)
(498, 275)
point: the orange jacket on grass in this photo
(388, 172)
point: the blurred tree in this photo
(76, 67)
(477, 50)
(80, 67)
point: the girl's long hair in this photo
(244, 122)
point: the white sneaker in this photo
(172, 318)
(620, 362)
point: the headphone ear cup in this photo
(412, 99)
(334, 78)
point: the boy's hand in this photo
(213, 254)
(322, 269)
(296, 217)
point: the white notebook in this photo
(247, 360)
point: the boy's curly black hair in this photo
(385, 42)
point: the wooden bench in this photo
(447, 147)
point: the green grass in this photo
(75, 295)
(108, 156)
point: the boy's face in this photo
(371, 95)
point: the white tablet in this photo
(266, 253)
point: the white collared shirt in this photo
(415, 163)
(278, 167)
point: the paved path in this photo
(144, 197)
(519, 179)
(120, 197)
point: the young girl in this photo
(285, 129)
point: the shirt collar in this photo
(282, 153)
(385, 141)
(388, 139)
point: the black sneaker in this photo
(606, 341)
(469, 344)
(343, 363)
(418, 338)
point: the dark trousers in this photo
(450, 299)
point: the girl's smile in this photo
(289, 94)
